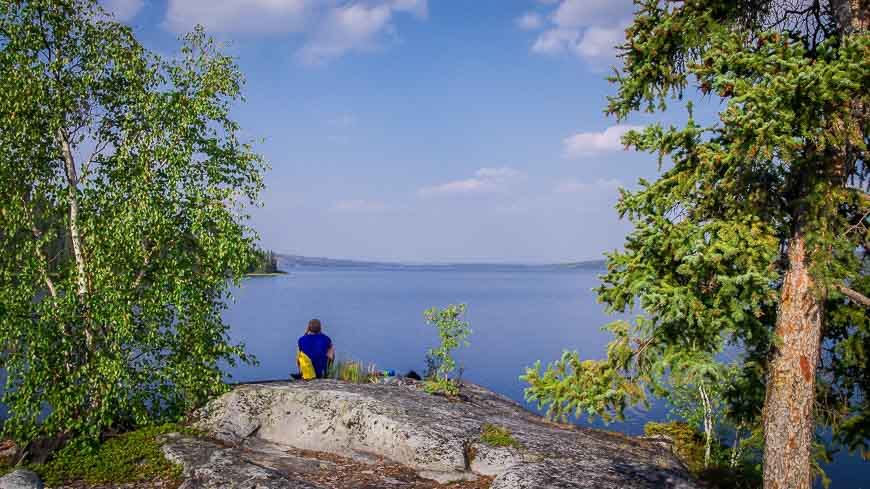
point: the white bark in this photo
(75, 233)
(708, 424)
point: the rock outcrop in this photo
(20, 479)
(440, 438)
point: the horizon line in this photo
(441, 263)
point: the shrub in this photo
(498, 436)
(452, 331)
(353, 371)
(126, 458)
(721, 473)
(688, 442)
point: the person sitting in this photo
(316, 352)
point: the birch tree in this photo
(123, 195)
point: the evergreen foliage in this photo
(123, 189)
(264, 262)
(785, 164)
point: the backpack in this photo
(306, 368)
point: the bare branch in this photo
(43, 261)
(98, 150)
(854, 295)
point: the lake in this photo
(375, 315)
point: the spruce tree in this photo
(755, 235)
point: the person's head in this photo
(313, 326)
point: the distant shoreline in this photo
(292, 261)
(266, 274)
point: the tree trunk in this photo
(788, 409)
(851, 15)
(74, 233)
(708, 424)
(736, 450)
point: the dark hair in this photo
(313, 326)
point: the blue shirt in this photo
(315, 346)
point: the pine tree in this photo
(755, 236)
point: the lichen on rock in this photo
(437, 437)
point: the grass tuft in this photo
(498, 436)
(354, 372)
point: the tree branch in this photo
(854, 295)
(43, 261)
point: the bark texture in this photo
(74, 232)
(791, 382)
(851, 15)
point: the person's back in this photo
(316, 348)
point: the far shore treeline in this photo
(265, 262)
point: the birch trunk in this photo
(708, 424)
(74, 232)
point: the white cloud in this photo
(497, 173)
(123, 10)
(418, 8)
(556, 41)
(584, 13)
(485, 180)
(594, 44)
(589, 143)
(346, 28)
(355, 27)
(529, 21)
(359, 205)
(239, 16)
(588, 29)
(457, 187)
(330, 28)
(573, 186)
(600, 42)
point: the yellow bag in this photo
(306, 368)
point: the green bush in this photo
(129, 457)
(452, 331)
(689, 447)
(498, 436)
(688, 442)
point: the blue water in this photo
(517, 317)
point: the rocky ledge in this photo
(264, 436)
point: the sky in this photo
(425, 131)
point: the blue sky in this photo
(425, 131)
